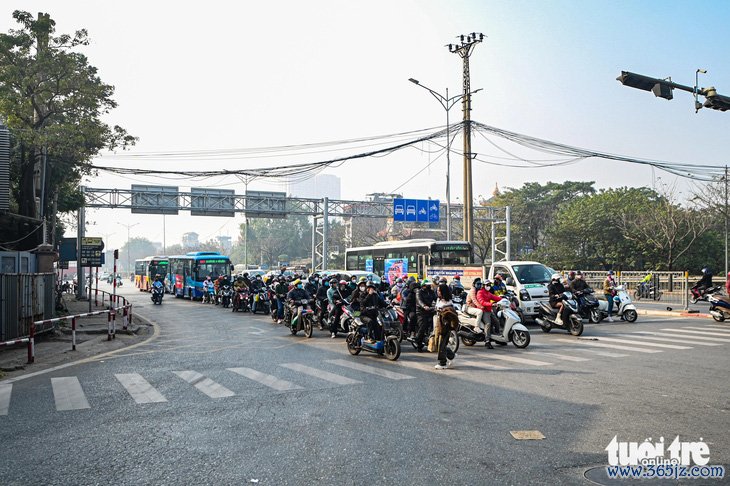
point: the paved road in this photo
(223, 398)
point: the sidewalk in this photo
(55, 347)
(662, 309)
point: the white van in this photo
(529, 281)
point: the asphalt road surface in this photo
(222, 398)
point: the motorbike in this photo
(588, 306)
(388, 320)
(388, 345)
(719, 307)
(226, 296)
(157, 292)
(700, 296)
(510, 329)
(321, 313)
(261, 301)
(647, 291)
(304, 322)
(242, 303)
(209, 295)
(348, 315)
(622, 305)
(546, 316)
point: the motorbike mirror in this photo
(510, 281)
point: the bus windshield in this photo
(213, 267)
(450, 257)
(533, 273)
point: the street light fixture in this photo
(447, 103)
(129, 227)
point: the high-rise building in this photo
(317, 187)
(190, 240)
(225, 242)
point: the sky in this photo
(242, 74)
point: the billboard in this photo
(212, 202)
(416, 210)
(154, 199)
(394, 268)
(265, 204)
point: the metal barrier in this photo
(24, 298)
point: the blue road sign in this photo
(433, 211)
(399, 209)
(422, 211)
(411, 207)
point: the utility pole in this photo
(39, 112)
(464, 50)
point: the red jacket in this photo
(486, 298)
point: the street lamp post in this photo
(447, 103)
(129, 227)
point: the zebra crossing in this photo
(555, 349)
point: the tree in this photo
(135, 249)
(52, 101)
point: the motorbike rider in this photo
(425, 310)
(396, 290)
(409, 301)
(704, 283)
(207, 285)
(337, 296)
(486, 298)
(159, 283)
(444, 321)
(321, 297)
(280, 289)
(239, 286)
(578, 285)
(295, 298)
(311, 285)
(609, 285)
(369, 305)
(472, 307)
(569, 279)
(644, 284)
(456, 286)
(555, 291)
(498, 287)
(358, 293)
(246, 280)
(256, 285)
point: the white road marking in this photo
(370, 369)
(701, 333)
(666, 339)
(479, 364)
(564, 357)
(68, 394)
(5, 391)
(606, 345)
(205, 385)
(515, 359)
(139, 388)
(322, 375)
(683, 336)
(642, 343)
(268, 380)
(724, 331)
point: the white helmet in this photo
(556, 276)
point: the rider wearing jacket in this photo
(321, 296)
(486, 298)
(472, 307)
(369, 305)
(295, 298)
(280, 289)
(704, 283)
(425, 310)
(555, 291)
(336, 295)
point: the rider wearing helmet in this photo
(280, 289)
(321, 297)
(486, 299)
(337, 297)
(472, 307)
(555, 290)
(425, 310)
(369, 305)
(704, 283)
(609, 291)
(295, 298)
(359, 293)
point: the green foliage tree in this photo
(136, 248)
(52, 100)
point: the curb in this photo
(673, 314)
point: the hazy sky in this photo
(242, 74)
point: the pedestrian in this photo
(609, 291)
(444, 321)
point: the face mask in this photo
(299, 286)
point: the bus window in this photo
(351, 263)
(450, 258)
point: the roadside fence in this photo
(25, 298)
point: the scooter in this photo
(647, 291)
(588, 306)
(242, 303)
(719, 307)
(302, 322)
(546, 316)
(700, 296)
(388, 345)
(261, 301)
(622, 305)
(157, 292)
(226, 296)
(510, 329)
(348, 315)
(209, 296)
(388, 320)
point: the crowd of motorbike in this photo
(273, 296)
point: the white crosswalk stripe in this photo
(563, 357)
(723, 331)
(681, 336)
(68, 394)
(205, 385)
(321, 374)
(6, 389)
(267, 380)
(606, 345)
(370, 369)
(139, 388)
(515, 359)
(597, 352)
(686, 332)
(665, 339)
(641, 343)
(479, 364)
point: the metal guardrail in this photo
(25, 298)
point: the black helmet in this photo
(371, 285)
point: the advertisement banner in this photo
(466, 274)
(394, 268)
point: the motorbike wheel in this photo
(595, 316)
(293, 330)
(694, 300)
(453, 341)
(392, 348)
(308, 328)
(467, 341)
(630, 315)
(547, 326)
(719, 317)
(521, 339)
(637, 295)
(352, 347)
(576, 325)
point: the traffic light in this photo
(714, 100)
(660, 87)
(116, 254)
